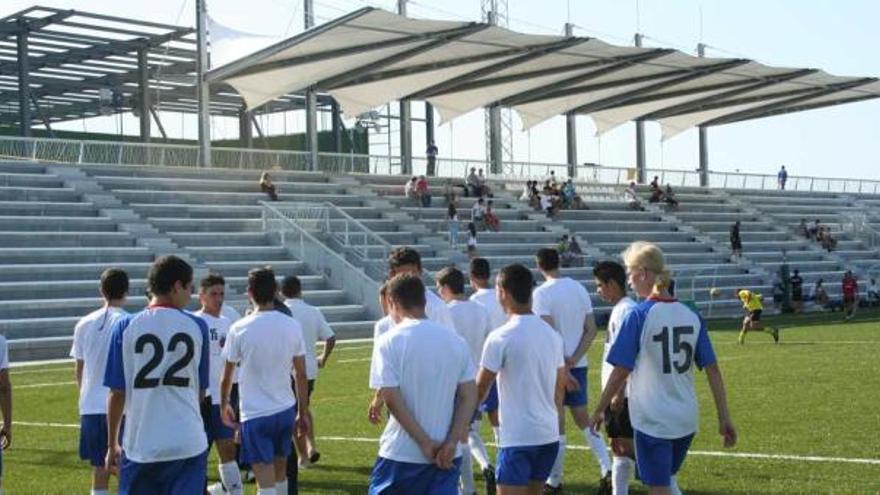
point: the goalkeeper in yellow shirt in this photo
(753, 303)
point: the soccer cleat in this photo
(314, 457)
(249, 476)
(552, 490)
(217, 489)
(489, 476)
(775, 333)
(605, 485)
(304, 464)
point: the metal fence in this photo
(178, 155)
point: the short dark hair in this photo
(451, 277)
(403, 256)
(211, 280)
(165, 272)
(291, 286)
(517, 280)
(407, 291)
(114, 283)
(479, 268)
(262, 284)
(548, 259)
(610, 271)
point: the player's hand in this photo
(374, 412)
(445, 455)
(227, 415)
(570, 362)
(302, 425)
(6, 436)
(112, 460)
(616, 403)
(596, 421)
(429, 449)
(728, 433)
(571, 383)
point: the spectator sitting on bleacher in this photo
(485, 190)
(568, 194)
(472, 240)
(803, 230)
(575, 249)
(828, 242)
(546, 204)
(491, 218)
(632, 197)
(873, 293)
(535, 196)
(422, 192)
(656, 191)
(268, 187)
(669, 197)
(409, 190)
(813, 231)
(526, 194)
(449, 192)
(472, 184)
(820, 295)
(478, 213)
(551, 180)
(452, 224)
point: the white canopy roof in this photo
(370, 57)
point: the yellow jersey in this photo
(752, 301)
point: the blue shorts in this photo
(406, 478)
(658, 458)
(263, 439)
(491, 402)
(215, 427)
(520, 466)
(579, 396)
(164, 478)
(93, 438)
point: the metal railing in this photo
(859, 226)
(181, 155)
(319, 257)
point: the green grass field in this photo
(816, 395)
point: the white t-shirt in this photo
(477, 211)
(159, 358)
(436, 310)
(568, 302)
(426, 362)
(526, 353)
(382, 326)
(621, 309)
(545, 201)
(660, 341)
(314, 328)
(230, 312)
(264, 344)
(91, 343)
(4, 354)
(218, 329)
(472, 324)
(489, 300)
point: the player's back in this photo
(314, 327)
(218, 330)
(91, 343)
(615, 321)
(472, 324)
(159, 357)
(489, 300)
(568, 302)
(437, 311)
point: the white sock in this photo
(267, 491)
(673, 487)
(467, 473)
(496, 430)
(600, 451)
(94, 492)
(621, 471)
(477, 446)
(230, 476)
(281, 487)
(555, 478)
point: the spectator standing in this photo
(850, 288)
(797, 291)
(656, 191)
(491, 218)
(813, 231)
(873, 293)
(782, 177)
(472, 183)
(268, 187)
(431, 153)
(478, 213)
(736, 240)
(526, 192)
(820, 295)
(452, 224)
(669, 196)
(449, 192)
(632, 197)
(472, 240)
(568, 193)
(484, 184)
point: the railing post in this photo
(812, 182)
(34, 150)
(82, 146)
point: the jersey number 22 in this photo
(169, 378)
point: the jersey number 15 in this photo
(677, 347)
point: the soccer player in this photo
(5, 404)
(797, 291)
(610, 280)
(565, 304)
(265, 346)
(479, 273)
(314, 328)
(753, 303)
(850, 287)
(212, 293)
(656, 348)
(91, 343)
(472, 324)
(526, 356)
(157, 372)
(423, 371)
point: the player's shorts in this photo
(617, 424)
(406, 478)
(491, 402)
(93, 438)
(519, 466)
(164, 478)
(658, 458)
(797, 296)
(849, 298)
(214, 427)
(755, 315)
(579, 396)
(265, 438)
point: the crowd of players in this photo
(160, 386)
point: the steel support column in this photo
(571, 127)
(496, 161)
(406, 151)
(203, 89)
(429, 124)
(641, 165)
(704, 138)
(143, 102)
(245, 129)
(336, 126)
(311, 97)
(24, 82)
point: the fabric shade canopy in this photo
(370, 57)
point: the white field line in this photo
(704, 453)
(15, 372)
(358, 360)
(42, 385)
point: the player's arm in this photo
(465, 405)
(587, 337)
(227, 413)
(485, 379)
(329, 344)
(78, 372)
(394, 400)
(615, 383)
(301, 382)
(719, 394)
(6, 409)
(115, 408)
(374, 411)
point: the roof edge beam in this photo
(809, 106)
(10, 28)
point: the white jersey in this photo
(264, 344)
(230, 312)
(159, 358)
(489, 300)
(659, 342)
(218, 329)
(472, 324)
(621, 309)
(314, 328)
(91, 343)
(4, 354)
(426, 362)
(383, 325)
(436, 310)
(568, 302)
(526, 353)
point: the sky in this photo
(839, 37)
